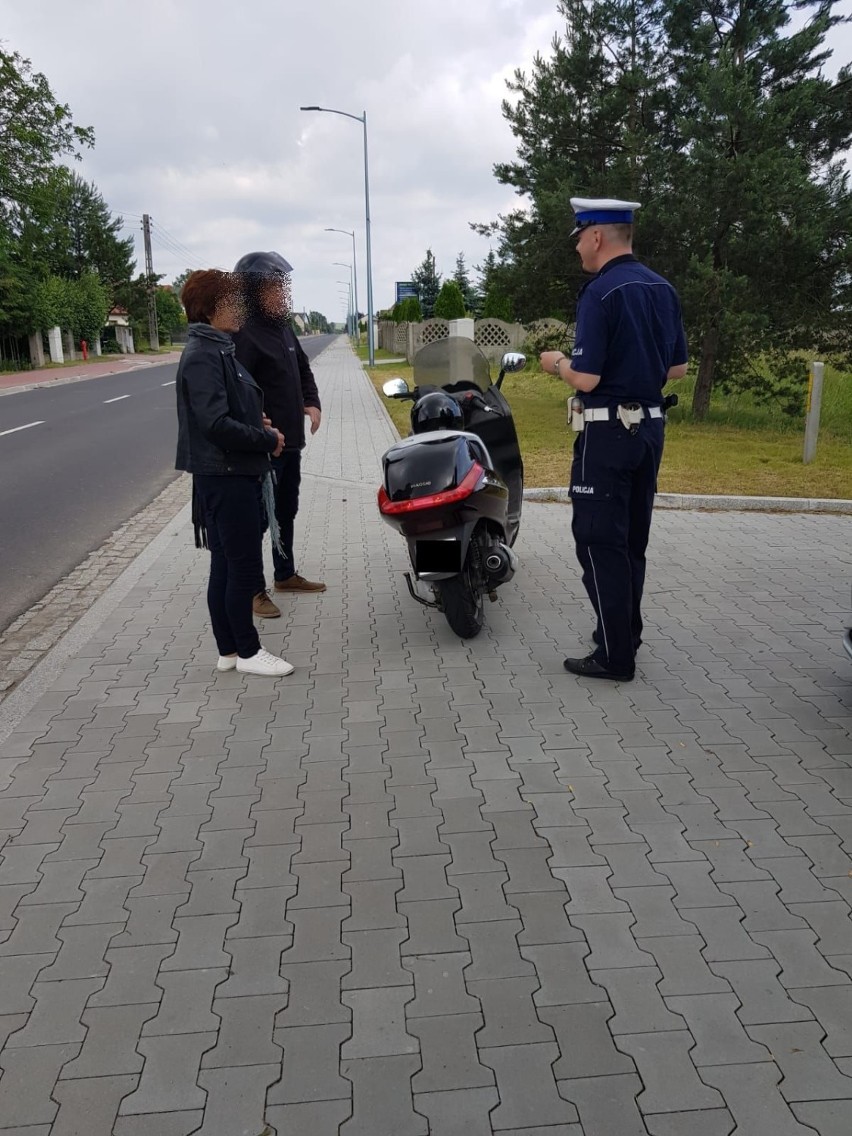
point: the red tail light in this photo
(447, 497)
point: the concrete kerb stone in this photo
(38, 681)
(63, 380)
(560, 494)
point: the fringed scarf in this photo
(268, 489)
(198, 522)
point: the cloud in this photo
(195, 108)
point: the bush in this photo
(497, 305)
(407, 311)
(54, 303)
(449, 304)
(547, 339)
(89, 306)
(110, 347)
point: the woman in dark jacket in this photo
(225, 442)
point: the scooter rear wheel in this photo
(463, 604)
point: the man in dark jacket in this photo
(270, 350)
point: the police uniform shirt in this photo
(629, 331)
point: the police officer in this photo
(629, 342)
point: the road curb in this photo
(64, 380)
(33, 685)
(721, 503)
(559, 494)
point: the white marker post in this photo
(813, 410)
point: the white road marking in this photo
(15, 429)
(171, 384)
(120, 397)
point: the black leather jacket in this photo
(220, 409)
(272, 352)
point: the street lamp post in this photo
(353, 325)
(348, 285)
(351, 233)
(362, 118)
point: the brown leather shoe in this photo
(263, 606)
(298, 583)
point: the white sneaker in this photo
(227, 663)
(265, 664)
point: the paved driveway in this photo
(432, 886)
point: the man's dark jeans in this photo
(288, 472)
(234, 521)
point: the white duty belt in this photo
(603, 413)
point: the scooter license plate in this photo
(437, 556)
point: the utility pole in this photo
(153, 332)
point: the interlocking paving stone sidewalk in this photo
(432, 886)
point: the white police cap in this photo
(602, 211)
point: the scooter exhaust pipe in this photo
(501, 563)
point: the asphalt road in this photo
(77, 461)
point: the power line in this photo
(167, 237)
(170, 245)
(179, 257)
(177, 250)
(179, 254)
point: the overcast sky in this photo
(195, 106)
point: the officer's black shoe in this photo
(591, 668)
(597, 642)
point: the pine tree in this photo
(493, 301)
(67, 229)
(428, 282)
(450, 302)
(462, 277)
(719, 119)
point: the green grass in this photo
(742, 448)
(363, 351)
(49, 365)
(742, 410)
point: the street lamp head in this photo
(310, 108)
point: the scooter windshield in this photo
(455, 363)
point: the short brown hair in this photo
(622, 233)
(203, 290)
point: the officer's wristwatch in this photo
(556, 368)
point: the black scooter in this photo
(454, 488)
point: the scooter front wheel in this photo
(463, 604)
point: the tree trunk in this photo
(706, 372)
(632, 116)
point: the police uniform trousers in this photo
(613, 481)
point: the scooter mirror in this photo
(513, 361)
(395, 388)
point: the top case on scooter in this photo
(431, 463)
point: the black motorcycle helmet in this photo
(436, 411)
(263, 264)
(256, 270)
